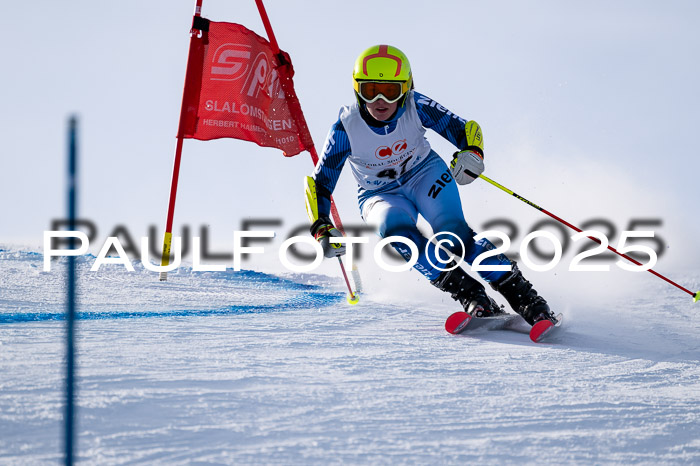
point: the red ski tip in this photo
(540, 329)
(457, 322)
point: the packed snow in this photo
(247, 367)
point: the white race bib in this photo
(379, 159)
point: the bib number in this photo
(391, 172)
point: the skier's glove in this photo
(323, 230)
(466, 166)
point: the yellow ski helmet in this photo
(382, 71)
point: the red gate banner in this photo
(237, 87)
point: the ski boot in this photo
(468, 292)
(522, 297)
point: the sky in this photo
(588, 109)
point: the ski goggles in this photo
(370, 91)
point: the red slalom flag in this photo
(236, 86)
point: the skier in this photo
(400, 176)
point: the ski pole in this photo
(352, 296)
(696, 296)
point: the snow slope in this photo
(240, 368)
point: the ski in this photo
(457, 322)
(545, 329)
(461, 322)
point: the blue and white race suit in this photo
(399, 177)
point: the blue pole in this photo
(70, 305)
